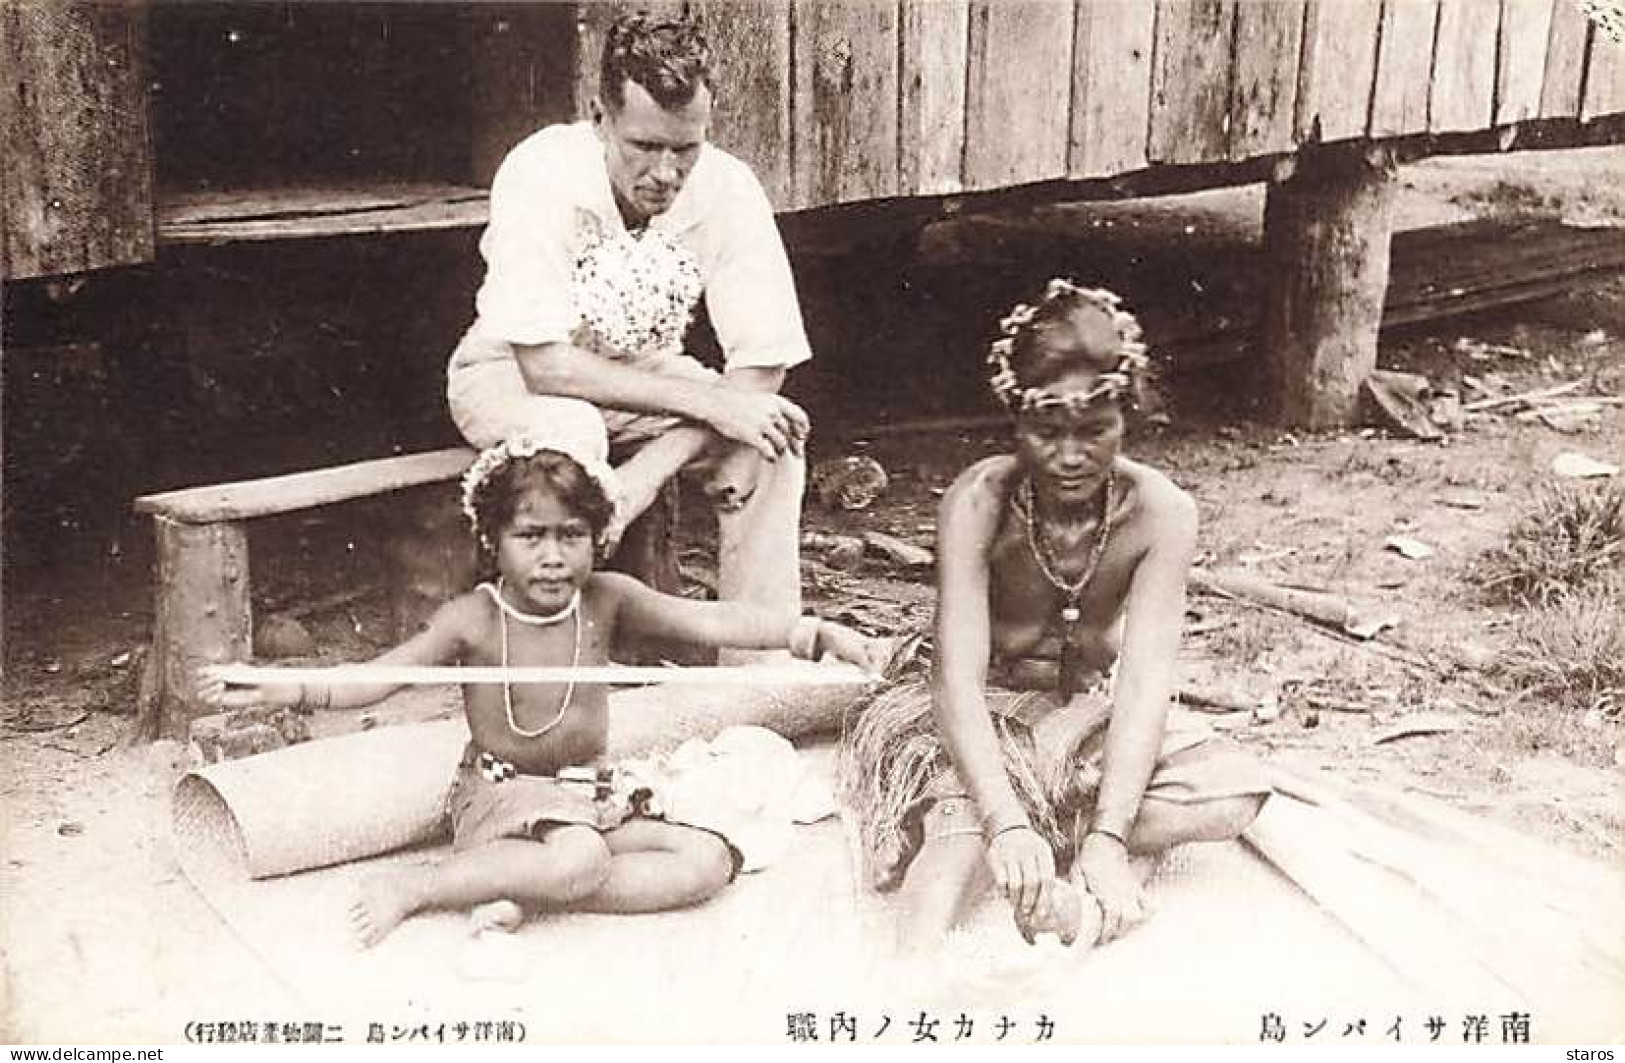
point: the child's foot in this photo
(503, 917)
(382, 900)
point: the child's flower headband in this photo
(1108, 385)
(493, 459)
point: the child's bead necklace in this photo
(1071, 592)
(508, 610)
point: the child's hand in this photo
(215, 691)
(1103, 866)
(847, 645)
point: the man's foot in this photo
(382, 900)
(503, 917)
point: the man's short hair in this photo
(669, 57)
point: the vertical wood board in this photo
(1565, 61)
(75, 138)
(1464, 66)
(1019, 91)
(750, 49)
(845, 111)
(1269, 39)
(1399, 101)
(931, 133)
(1605, 77)
(1520, 66)
(1190, 81)
(1338, 69)
(1111, 86)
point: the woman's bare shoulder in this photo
(985, 482)
(1156, 499)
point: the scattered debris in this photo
(1418, 723)
(1460, 501)
(1403, 402)
(1405, 546)
(1522, 397)
(1479, 351)
(70, 829)
(1577, 466)
(844, 553)
(900, 551)
(849, 483)
(281, 636)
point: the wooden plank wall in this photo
(76, 179)
(840, 100)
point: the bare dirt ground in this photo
(106, 942)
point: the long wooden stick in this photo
(433, 675)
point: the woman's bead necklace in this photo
(1071, 591)
(573, 609)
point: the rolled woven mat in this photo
(348, 798)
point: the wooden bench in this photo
(203, 587)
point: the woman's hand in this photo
(215, 691)
(1023, 869)
(1103, 866)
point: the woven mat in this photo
(1232, 941)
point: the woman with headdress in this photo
(1043, 741)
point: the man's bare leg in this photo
(656, 866)
(759, 548)
(569, 863)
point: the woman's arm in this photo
(1021, 861)
(442, 641)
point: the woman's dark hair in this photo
(669, 57)
(497, 497)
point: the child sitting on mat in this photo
(1043, 736)
(538, 821)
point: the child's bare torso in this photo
(1024, 607)
(580, 734)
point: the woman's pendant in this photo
(1071, 620)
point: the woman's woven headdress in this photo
(1131, 357)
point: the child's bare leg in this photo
(656, 866)
(569, 863)
(1161, 825)
(946, 876)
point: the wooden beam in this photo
(1190, 81)
(1399, 101)
(1463, 92)
(1565, 62)
(845, 110)
(1111, 87)
(76, 187)
(1018, 92)
(1269, 40)
(1338, 69)
(1326, 241)
(1520, 67)
(202, 614)
(246, 499)
(750, 48)
(931, 130)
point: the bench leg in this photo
(202, 614)
(431, 556)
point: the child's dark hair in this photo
(491, 498)
(1067, 329)
(669, 57)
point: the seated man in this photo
(603, 236)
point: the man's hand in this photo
(763, 420)
(1103, 866)
(1023, 870)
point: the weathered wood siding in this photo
(75, 159)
